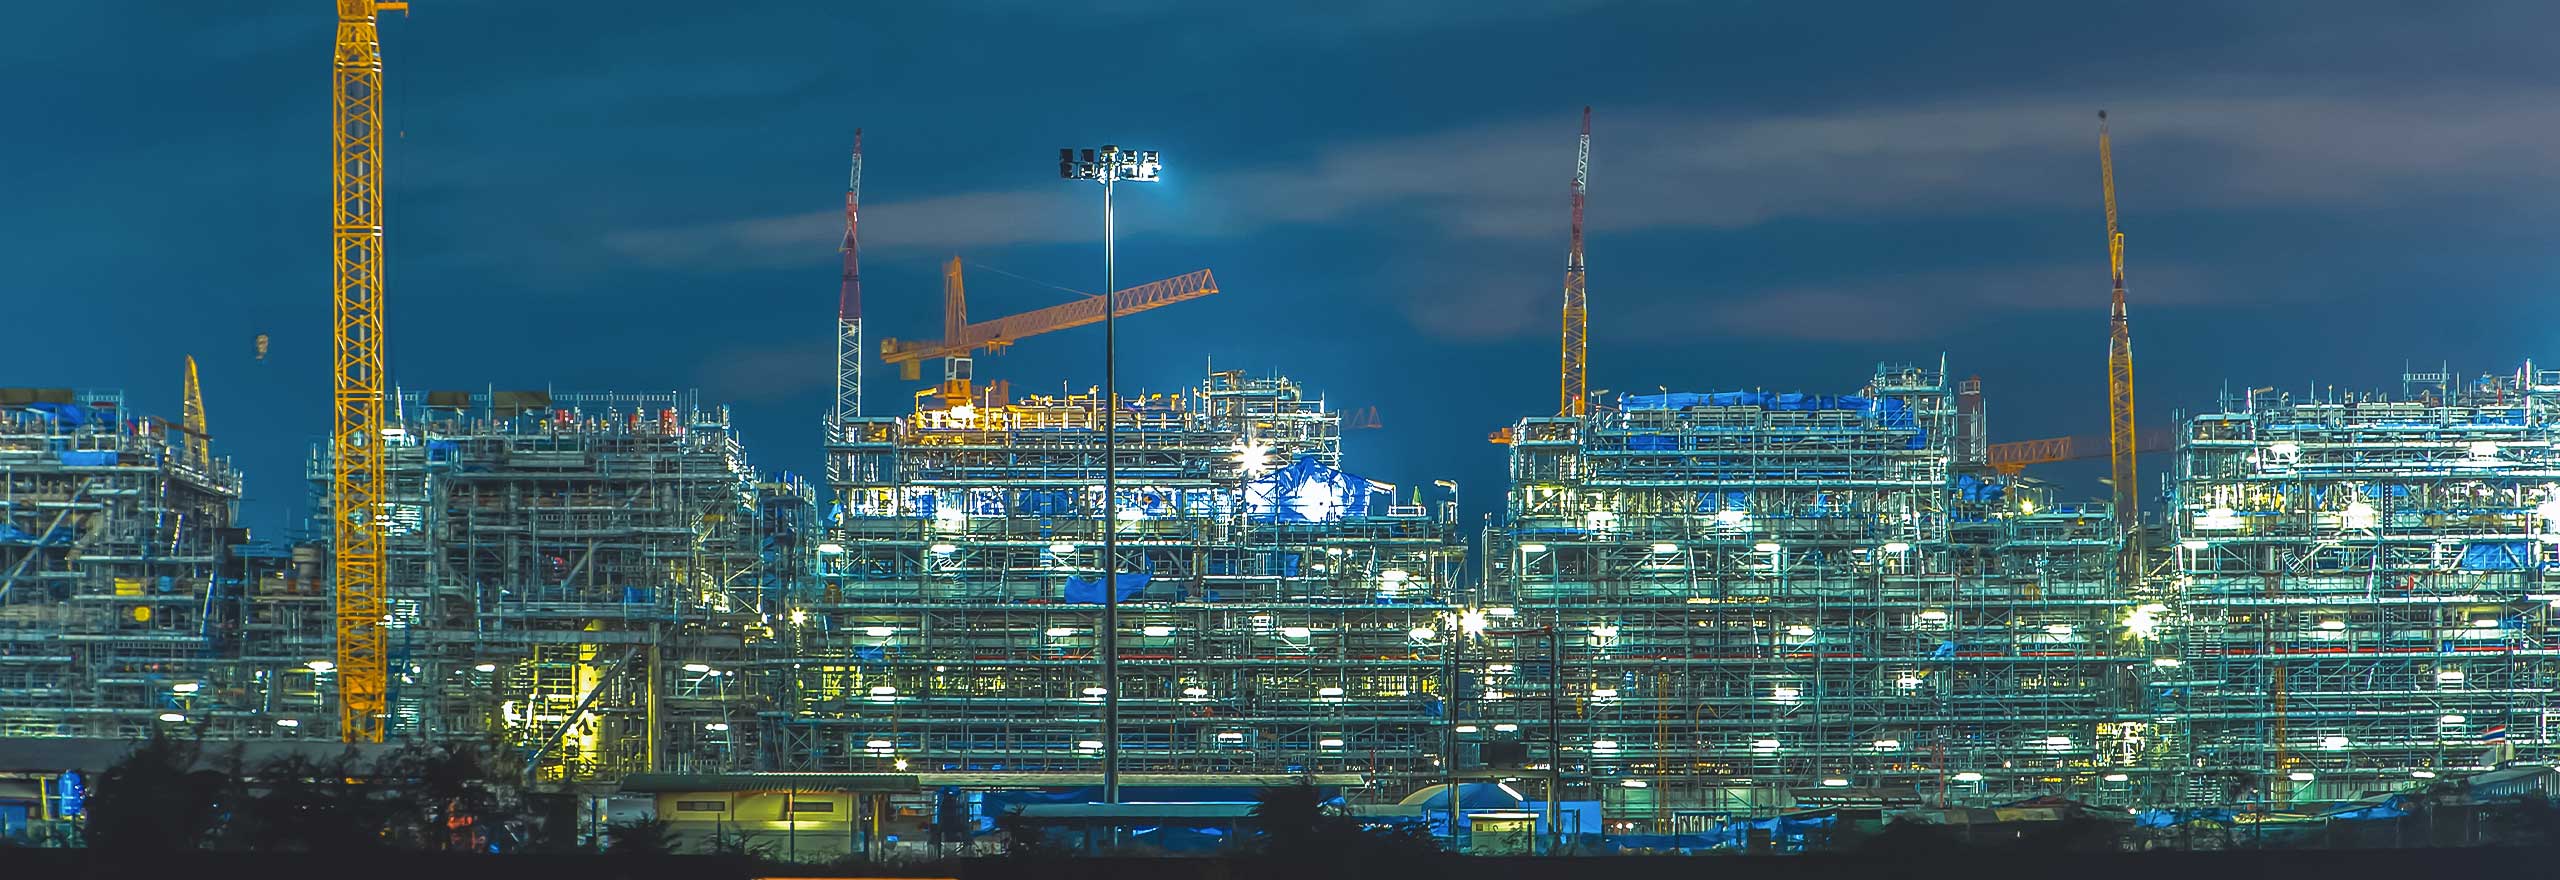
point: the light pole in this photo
(1108, 167)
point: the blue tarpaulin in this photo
(1089, 591)
(1306, 491)
(2493, 556)
(87, 458)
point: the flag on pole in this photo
(2497, 733)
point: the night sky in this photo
(646, 195)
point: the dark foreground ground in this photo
(2397, 864)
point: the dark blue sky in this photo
(644, 196)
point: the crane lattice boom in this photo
(2122, 442)
(355, 444)
(849, 300)
(1577, 321)
(961, 338)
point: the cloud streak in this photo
(2204, 146)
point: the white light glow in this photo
(879, 744)
(1059, 632)
(1329, 692)
(1799, 630)
(1423, 633)
(2300, 776)
(884, 690)
(1296, 632)
(1766, 745)
(1732, 518)
(799, 616)
(1933, 615)
(1505, 728)
(2059, 629)
(2484, 450)
(1533, 548)
(172, 717)
(1095, 691)
(1062, 548)
(2115, 777)
(2449, 676)
(1230, 736)
(1787, 693)
(1766, 547)
(716, 726)
(1252, 458)
(1195, 692)
(2284, 449)
(2358, 515)
(2333, 625)
(1968, 776)
(1089, 745)
(2218, 519)
(830, 548)
(1605, 745)
(321, 665)
(964, 412)
(2453, 719)
(2423, 774)
(1896, 547)
(1157, 632)
(1466, 728)
(944, 549)
(2195, 543)
(880, 632)
(1835, 782)
(1666, 548)
(2167, 662)
(486, 667)
(1471, 622)
(1604, 693)
(288, 722)
(1632, 783)
(1887, 745)
(2484, 623)
(2057, 742)
(184, 687)
(1329, 743)
(697, 668)
(1906, 682)
(2333, 743)
(1502, 612)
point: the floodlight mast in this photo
(1109, 166)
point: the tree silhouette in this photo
(156, 801)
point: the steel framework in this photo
(1264, 642)
(2360, 580)
(1771, 602)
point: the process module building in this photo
(1704, 606)
(2363, 580)
(1279, 614)
(581, 578)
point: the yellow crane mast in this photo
(2121, 439)
(191, 418)
(355, 439)
(1576, 384)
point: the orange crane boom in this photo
(961, 338)
(2012, 457)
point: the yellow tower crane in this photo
(355, 439)
(1576, 385)
(2121, 439)
(191, 418)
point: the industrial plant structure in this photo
(1280, 615)
(2361, 581)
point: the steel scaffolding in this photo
(2361, 584)
(1271, 624)
(583, 577)
(1769, 602)
(122, 607)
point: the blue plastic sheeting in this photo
(2493, 556)
(1653, 442)
(639, 596)
(87, 459)
(1089, 592)
(1972, 488)
(1471, 796)
(72, 415)
(1306, 491)
(1045, 502)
